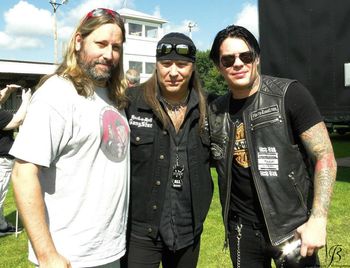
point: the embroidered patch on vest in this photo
(274, 109)
(268, 161)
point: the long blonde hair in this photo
(69, 68)
(150, 96)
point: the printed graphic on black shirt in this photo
(240, 149)
(267, 156)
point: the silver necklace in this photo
(175, 107)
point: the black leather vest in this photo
(281, 176)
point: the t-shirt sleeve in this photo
(5, 118)
(44, 133)
(301, 108)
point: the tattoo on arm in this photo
(319, 147)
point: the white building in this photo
(143, 31)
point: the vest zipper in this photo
(278, 119)
(295, 184)
(254, 173)
(232, 133)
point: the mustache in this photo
(104, 62)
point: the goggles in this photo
(98, 12)
(180, 49)
(245, 57)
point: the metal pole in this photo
(55, 6)
(190, 26)
(55, 36)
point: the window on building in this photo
(151, 31)
(135, 29)
(137, 65)
(150, 66)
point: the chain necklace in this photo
(175, 107)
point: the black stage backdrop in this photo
(309, 40)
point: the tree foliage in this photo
(212, 80)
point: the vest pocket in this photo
(266, 123)
(141, 145)
(297, 190)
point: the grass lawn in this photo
(13, 251)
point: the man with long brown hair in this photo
(171, 186)
(71, 174)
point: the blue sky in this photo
(26, 26)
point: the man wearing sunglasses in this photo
(274, 160)
(171, 185)
(71, 174)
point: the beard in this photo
(95, 74)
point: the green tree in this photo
(211, 79)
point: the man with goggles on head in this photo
(171, 185)
(71, 175)
(274, 160)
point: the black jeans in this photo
(143, 253)
(255, 249)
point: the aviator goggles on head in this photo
(180, 49)
(98, 12)
(246, 57)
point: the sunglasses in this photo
(180, 49)
(245, 57)
(98, 12)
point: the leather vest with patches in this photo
(280, 173)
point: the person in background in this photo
(8, 123)
(7, 91)
(133, 77)
(171, 185)
(274, 160)
(71, 174)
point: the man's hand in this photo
(26, 95)
(318, 145)
(12, 87)
(6, 92)
(57, 261)
(313, 235)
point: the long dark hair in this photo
(150, 95)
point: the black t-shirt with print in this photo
(302, 113)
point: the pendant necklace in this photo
(175, 107)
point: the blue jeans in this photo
(5, 175)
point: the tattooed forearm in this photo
(318, 145)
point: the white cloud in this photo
(68, 21)
(249, 18)
(25, 19)
(75, 14)
(5, 39)
(65, 32)
(10, 43)
(25, 24)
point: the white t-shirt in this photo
(83, 147)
